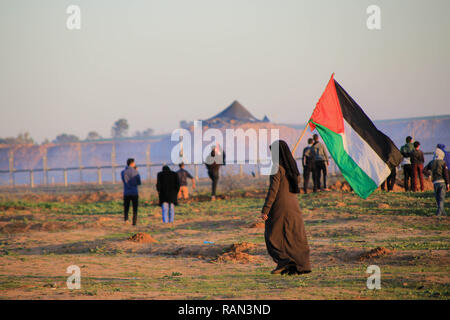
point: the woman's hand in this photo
(264, 216)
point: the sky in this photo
(157, 62)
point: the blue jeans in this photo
(439, 192)
(168, 212)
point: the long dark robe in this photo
(285, 232)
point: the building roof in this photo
(234, 111)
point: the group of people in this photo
(285, 234)
(171, 185)
(315, 163)
(413, 162)
(414, 170)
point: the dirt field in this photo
(216, 250)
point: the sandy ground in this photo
(39, 239)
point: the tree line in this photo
(120, 129)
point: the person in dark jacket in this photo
(308, 164)
(320, 163)
(285, 233)
(405, 150)
(417, 160)
(439, 176)
(167, 185)
(213, 163)
(131, 180)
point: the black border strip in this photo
(170, 309)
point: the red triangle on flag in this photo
(328, 111)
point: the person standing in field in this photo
(308, 165)
(417, 160)
(183, 175)
(131, 180)
(390, 180)
(406, 150)
(320, 163)
(285, 233)
(213, 163)
(168, 186)
(440, 178)
(446, 157)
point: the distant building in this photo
(234, 114)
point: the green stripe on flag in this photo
(361, 183)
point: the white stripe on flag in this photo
(364, 156)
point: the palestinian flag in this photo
(364, 154)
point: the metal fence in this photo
(111, 173)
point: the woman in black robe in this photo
(285, 233)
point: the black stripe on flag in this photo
(361, 123)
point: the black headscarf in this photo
(286, 160)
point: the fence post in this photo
(257, 168)
(99, 175)
(11, 167)
(113, 162)
(65, 177)
(31, 178)
(80, 162)
(148, 162)
(241, 170)
(196, 172)
(44, 166)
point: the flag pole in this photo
(299, 139)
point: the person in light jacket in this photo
(439, 176)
